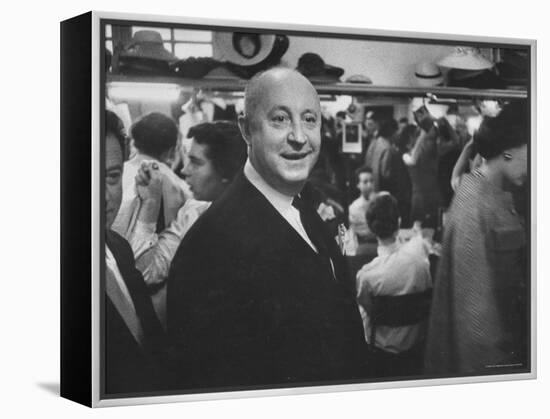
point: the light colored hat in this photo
(359, 78)
(148, 44)
(466, 58)
(227, 47)
(428, 75)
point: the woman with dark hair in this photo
(216, 154)
(479, 315)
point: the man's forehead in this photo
(289, 91)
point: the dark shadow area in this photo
(50, 388)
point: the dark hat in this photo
(484, 79)
(148, 44)
(314, 68)
(145, 55)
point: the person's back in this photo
(399, 269)
(471, 270)
(479, 312)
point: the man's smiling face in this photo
(284, 131)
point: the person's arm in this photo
(155, 261)
(411, 158)
(149, 190)
(462, 164)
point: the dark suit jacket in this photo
(250, 303)
(128, 367)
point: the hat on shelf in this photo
(145, 55)
(359, 78)
(427, 74)
(194, 67)
(513, 66)
(481, 79)
(148, 44)
(248, 48)
(466, 58)
(315, 69)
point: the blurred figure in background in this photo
(389, 172)
(155, 137)
(479, 312)
(358, 208)
(422, 165)
(372, 125)
(448, 150)
(217, 152)
(403, 123)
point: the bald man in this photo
(256, 291)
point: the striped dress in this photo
(478, 322)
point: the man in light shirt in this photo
(400, 268)
(358, 211)
(256, 290)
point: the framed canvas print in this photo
(282, 209)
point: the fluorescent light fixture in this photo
(143, 92)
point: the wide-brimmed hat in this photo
(246, 48)
(315, 69)
(148, 44)
(427, 74)
(466, 58)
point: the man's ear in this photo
(244, 128)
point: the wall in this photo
(386, 63)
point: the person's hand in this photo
(149, 181)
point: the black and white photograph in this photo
(248, 246)
(286, 208)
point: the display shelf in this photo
(219, 84)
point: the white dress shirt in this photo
(110, 261)
(281, 202)
(399, 268)
(154, 252)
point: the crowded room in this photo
(294, 209)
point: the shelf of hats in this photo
(166, 66)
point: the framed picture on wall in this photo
(351, 138)
(201, 262)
